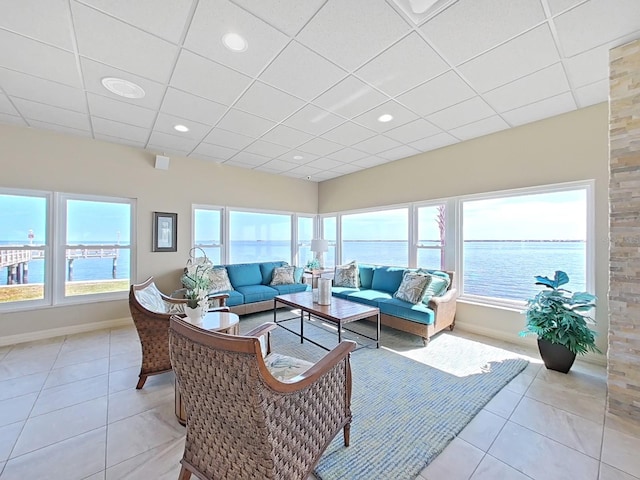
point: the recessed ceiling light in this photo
(121, 87)
(298, 157)
(181, 128)
(385, 118)
(234, 42)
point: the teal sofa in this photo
(378, 283)
(251, 290)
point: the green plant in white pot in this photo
(561, 321)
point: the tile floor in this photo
(69, 410)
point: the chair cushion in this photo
(346, 275)
(369, 297)
(282, 276)
(413, 286)
(292, 288)
(257, 293)
(242, 274)
(151, 299)
(266, 269)
(366, 275)
(235, 298)
(343, 292)
(387, 279)
(284, 368)
(419, 312)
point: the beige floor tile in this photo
(72, 459)
(61, 424)
(96, 476)
(622, 425)
(540, 457)
(28, 351)
(13, 368)
(482, 430)
(622, 451)
(78, 371)
(22, 385)
(39, 345)
(4, 350)
(8, 436)
(456, 462)
(607, 472)
(132, 402)
(15, 409)
(533, 368)
(63, 396)
(138, 434)
(159, 463)
(125, 379)
(120, 346)
(126, 360)
(577, 381)
(567, 428)
(521, 383)
(81, 355)
(491, 468)
(503, 403)
(86, 340)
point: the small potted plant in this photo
(197, 281)
(561, 321)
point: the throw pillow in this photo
(297, 274)
(282, 276)
(219, 280)
(412, 287)
(346, 275)
(437, 287)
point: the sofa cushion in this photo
(369, 297)
(398, 308)
(257, 293)
(235, 298)
(413, 286)
(343, 292)
(292, 288)
(282, 276)
(242, 274)
(366, 275)
(387, 279)
(266, 269)
(346, 275)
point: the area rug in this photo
(406, 411)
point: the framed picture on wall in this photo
(165, 232)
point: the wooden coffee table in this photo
(339, 312)
(224, 322)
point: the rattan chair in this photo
(150, 310)
(242, 422)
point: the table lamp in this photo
(319, 246)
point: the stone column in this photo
(624, 241)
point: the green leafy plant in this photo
(197, 280)
(559, 316)
(313, 264)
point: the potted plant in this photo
(197, 281)
(560, 319)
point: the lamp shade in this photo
(319, 245)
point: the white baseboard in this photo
(70, 330)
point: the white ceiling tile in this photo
(166, 122)
(347, 168)
(288, 16)
(185, 105)
(289, 137)
(167, 150)
(348, 155)
(320, 146)
(557, 6)
(250, 159)
(377, 144)
(350, 97)
(172, 142)
(244, 123)
(201, 156)
(313, 120)
(298, 157)
(588, 67)
(35, 58)
(400, 116)
(32, 19)
(272, 171)
(348, 134)
(536, 111)
(594, 93)
(94, 72)
(397, 153)
(441, 92)
(545, 83)
(324, 163)
(469, 27)
(120, 111)
(406, 64)
(37, 89)
(464, 112)
(526, 54)
(113, 42)
(194, 74)
(119, 140)
(596, 23)
(6, 106)
(301, 72)
(228, 139)
(215, 18)
(480, 128)
(413, 131)
(437, 141)
(5, 118)
(369, 162)
(49, 114)
(325, 175)
(304, 170)
(59, 128)
(215, 151)
(103, 126)
(266, 149)
(341, 31)
(279, 165)
(268, 102)
(166, 19)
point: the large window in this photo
(207, 232)
(257, 236)
(509, 239)
(431, 236)
(305, 235)
(329, 233)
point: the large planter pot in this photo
(555, 356)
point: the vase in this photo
(555, 356)
(195, 315)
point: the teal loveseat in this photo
(377, 285)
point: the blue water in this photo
(498, 269)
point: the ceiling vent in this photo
(421, 10)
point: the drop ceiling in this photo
(304, 98)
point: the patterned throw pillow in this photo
(413, 286)
(346, 275)
(437, 286)
(283, 276)
(219, 280)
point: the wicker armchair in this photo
(150, 310)
(242, 422)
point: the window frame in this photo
(223, 237)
